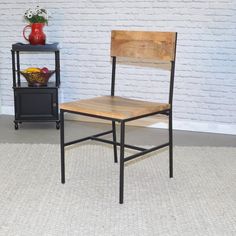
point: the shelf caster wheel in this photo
(16, 126)
(58, 124)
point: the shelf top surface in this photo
(24, 85)
(53, 47)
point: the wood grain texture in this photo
(145, 45)
(114, 107)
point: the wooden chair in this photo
(159, 46)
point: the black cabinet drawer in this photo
(36, 104)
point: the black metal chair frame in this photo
(121, 144)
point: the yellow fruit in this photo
(32, 69)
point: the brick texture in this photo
(205, 81)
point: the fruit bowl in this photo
(37, 78)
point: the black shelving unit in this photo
(35, 104)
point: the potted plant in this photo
(37, 18)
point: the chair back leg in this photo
(114, 140)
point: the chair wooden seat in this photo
(114, 107)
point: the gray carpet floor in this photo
(199, 200)
(46, 133)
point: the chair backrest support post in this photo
(113, 75)
(172, 75)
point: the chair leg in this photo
(170, 145)
(62, 147)
(114, 140)
(122, 147)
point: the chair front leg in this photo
(122, 147)
(62, 141)
(170, 145)
(114, 140)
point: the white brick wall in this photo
(205, 82)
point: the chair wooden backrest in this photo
(160, 46)
(145, 45)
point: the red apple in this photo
(45, 70)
